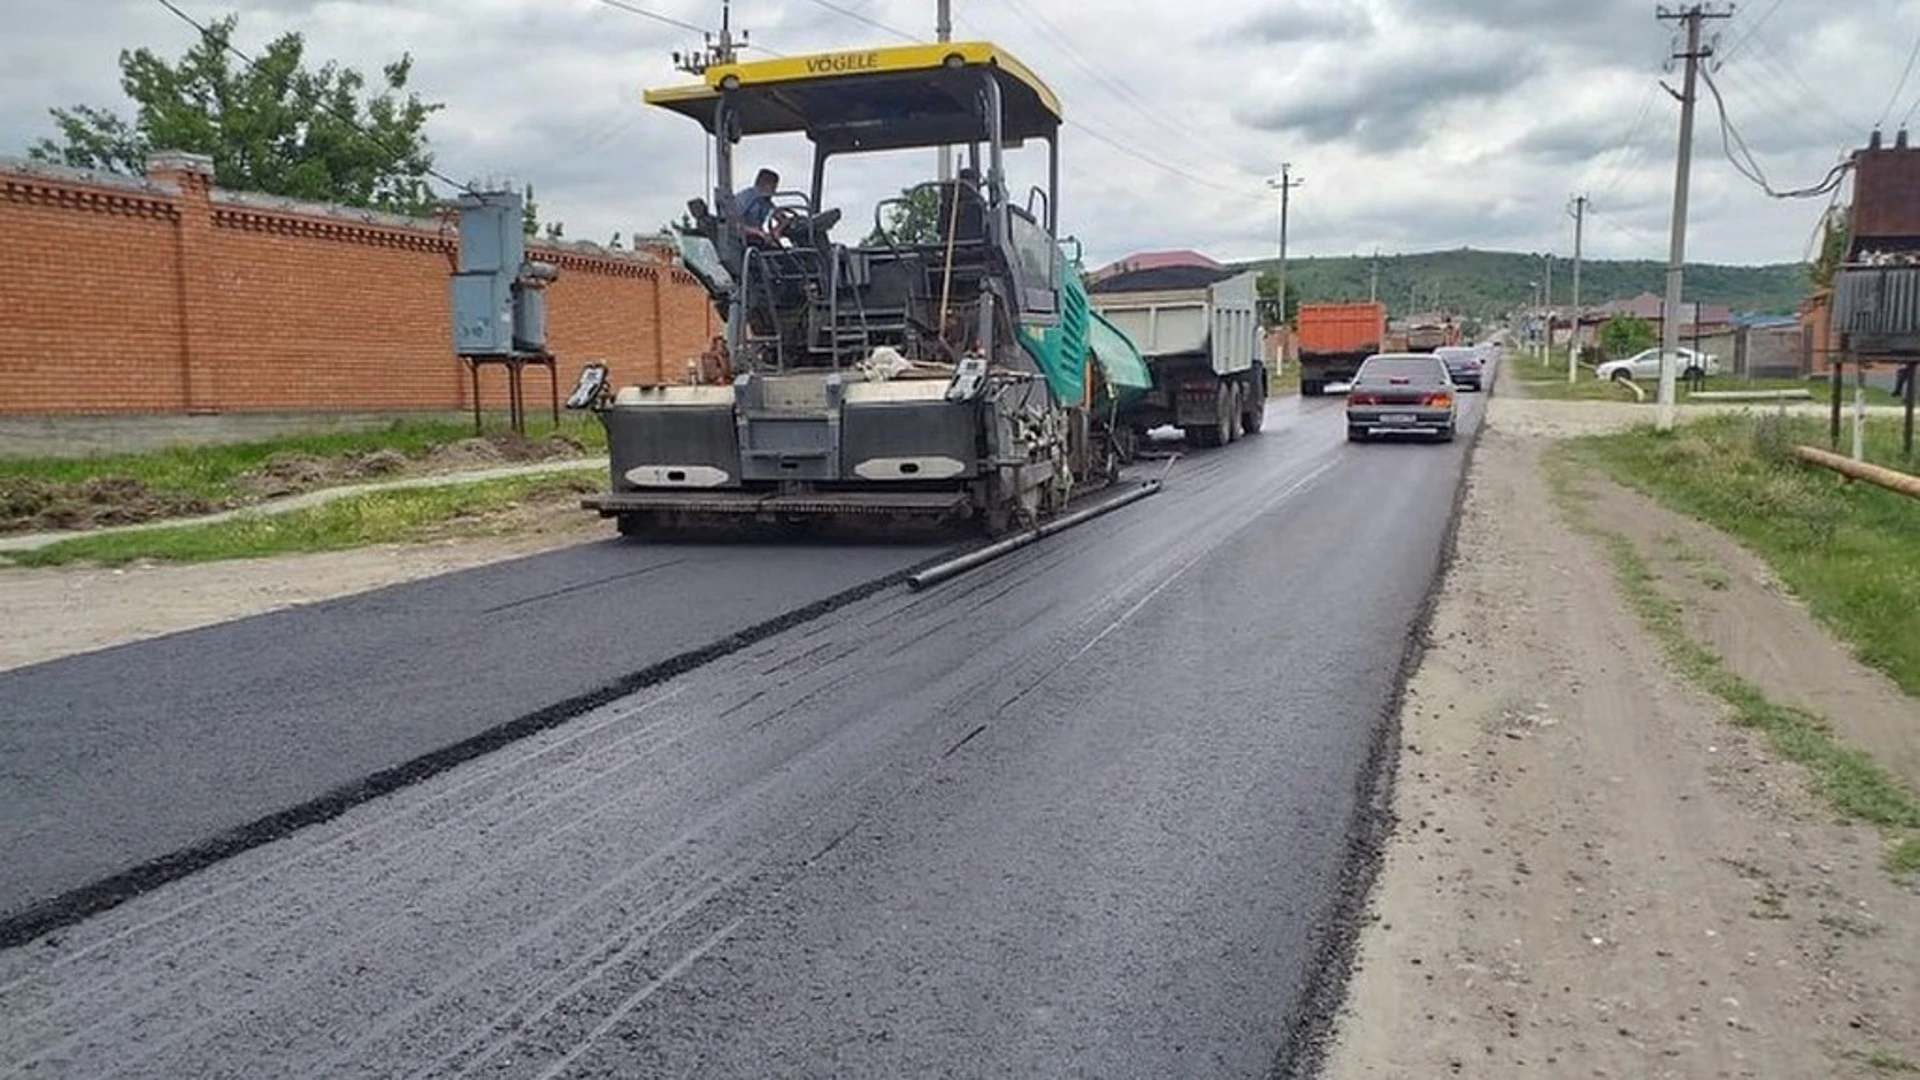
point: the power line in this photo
(635, 9)
(1122, 93)
(1894, 98)
(1745, 164)
(866, 20)
(1069, 122)
(1631, 149)
(352, 122)
(1752, 29)
(1155, 162)
(1782, 66)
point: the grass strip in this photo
(1850, 780)
(1851, 551)
(212, 471)
(354, 521)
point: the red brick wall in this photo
(73, 334)
(164, 296)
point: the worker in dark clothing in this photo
(754, 206)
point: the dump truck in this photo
(958, 377)
(1334, 339)
(1428, 336)
(1199, 329)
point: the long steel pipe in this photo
(933, 575)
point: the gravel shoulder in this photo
(1593, 872)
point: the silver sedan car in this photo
(1402, 392)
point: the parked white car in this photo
(1646, 365)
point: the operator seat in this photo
(970, 227)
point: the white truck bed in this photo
(1221, 320)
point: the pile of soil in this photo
(503, 449)
(291, 474)
(39, 505)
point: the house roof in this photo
(1650, 307)
(1154, 260)
(1159, 278)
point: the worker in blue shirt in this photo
(755, 205)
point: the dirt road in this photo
(1595, 874)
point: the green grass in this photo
(1884, 1062)
(1850, 780)
(1549, 380)
(212, 471)
(355, 521)
(1850, 550)
(1906, 857)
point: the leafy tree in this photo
(276, 127)
(914, 220)
(1624, 335)
(1491, 284)
(530, 218)
(1267, 285)
(1833, 246)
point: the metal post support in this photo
(1913, 381)
(1859, 412)
(1836, 379)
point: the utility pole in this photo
(1692, 15)
(1579, 228)
(1373, 279)
(1285, 184)
(1546, 311)
(943, 31)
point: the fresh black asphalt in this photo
(1089, 810)
(118, 757)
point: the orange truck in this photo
(1334, 339)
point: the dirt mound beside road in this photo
(34, 505)
(507, 449)
(293, 474)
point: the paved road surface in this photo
(1084, 811)
(122, 756)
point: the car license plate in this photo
(1397, 418)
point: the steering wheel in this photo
(795, 224)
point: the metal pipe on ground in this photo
(1751, 395)
(1892, 479)
(933, 575)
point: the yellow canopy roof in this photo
(895, 96)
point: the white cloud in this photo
(1417, 124)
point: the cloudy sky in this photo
(1415, 124)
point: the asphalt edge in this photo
(76, 905)
(1311, 1035)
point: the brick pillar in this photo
(191, 175)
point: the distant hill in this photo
(1492, 283)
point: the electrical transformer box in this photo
(499, 305)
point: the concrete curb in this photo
(307, 500)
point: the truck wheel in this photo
(1230, 401)
(1309, 388)
(1254, 415)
